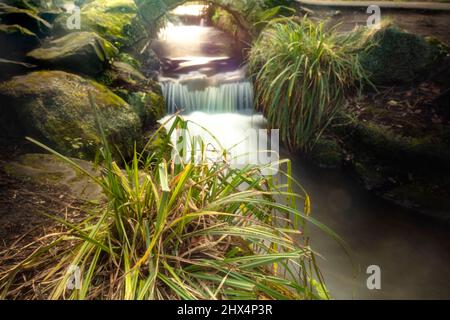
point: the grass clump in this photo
(178, 230)
(303, 73)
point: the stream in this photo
(203, 77)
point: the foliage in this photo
(302, 74)
(188, 230)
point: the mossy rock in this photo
(80, 52)
(117, 21)
(148, 105)
(16, 41)
(25, 18)
(128, 58)
(393, 56)
(54, 107)
(142, 94)
(121, 75)
(398, 150)
(431, 196)
(327, 153)
(13, 68)
(373, 174)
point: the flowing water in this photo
(203, 77)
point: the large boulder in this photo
(393, 56)
(54, 107)
(80, 52)
(116, 20)
(16, 41)
(25, 18)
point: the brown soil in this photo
(23, 206)
(410, 111)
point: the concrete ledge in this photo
(419, 6)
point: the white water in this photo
(228, 97)
(200, 69)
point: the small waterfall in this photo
(223, 98)
(201, 68)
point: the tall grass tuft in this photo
(186, 230)
(302, 74)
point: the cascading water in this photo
(201, 71)
(227, 97)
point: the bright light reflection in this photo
(190, 10)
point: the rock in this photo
(13, 68)
(16, 41)
(423, 196)
(143, 95)
(327, 153)
(25, 18)
(128, 58)
(51, 170)
(27, 4)
(393, 56)
(54, 107)
(150, 106)
(401, 150)
(122, 74)
(408, 168)
(50, 15)
(151, 64)
(118, 21)
(80, 52)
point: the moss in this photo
(327, 153)
(395, 56)
(398, 150)
(25, 18)
(82, 52)
(49, 108)
(148, 105)
(16, 41)
(422, 195)
(372, 175)
(159, 145)
(225, 21)
(127, 58)
(143, 95)
(116, 20)
(123, 75)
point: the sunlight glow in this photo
(190, 10)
